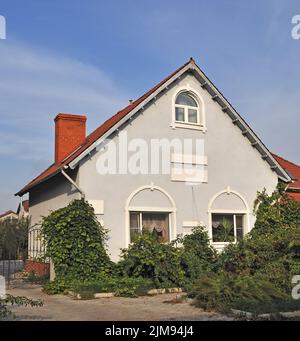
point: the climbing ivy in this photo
(75, 241)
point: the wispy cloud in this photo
(34, 86)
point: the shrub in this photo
(121, 286)
(149, 258)
(75, 241)
(58, 286)
(197, 256)
(13, 238)
(10, 300)
(224, 291)
(274, 254)
(277, 210)
(272, 248)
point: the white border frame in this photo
(172, 210)
(246, 212)
(201, 110)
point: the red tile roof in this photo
(291, 168)
(95, 135)
(295, 195)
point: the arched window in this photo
(187, 109)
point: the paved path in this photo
(64, 308)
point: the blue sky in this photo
(92, 56)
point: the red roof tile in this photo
(95, 135)
(295, 195)
(291, 168)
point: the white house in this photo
(177, 157)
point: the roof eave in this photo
(27, 188)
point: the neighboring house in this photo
(293, 170)
(213, 183)
(8, 215)
(22, 212)
(23, 209)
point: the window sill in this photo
(222, 243)
(192, 126)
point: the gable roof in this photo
(121, 117)
(292, 169)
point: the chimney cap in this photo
(73, 117)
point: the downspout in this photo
(73, 183)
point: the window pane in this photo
(180, 114)
(222, 228)
(239, 227)
(185, 99)
(134, 224)
(192, 116)
(157, 224)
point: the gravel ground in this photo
(64, 308)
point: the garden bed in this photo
(90, 295)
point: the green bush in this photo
(272, 248)
(149, 258)
(10, 300)
(224, 291)
(121, 286)
(75, 241)
(256, 273)
(13, 238)
(58, 286)
(274, 254)
(197, 256)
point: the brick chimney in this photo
(69, 134)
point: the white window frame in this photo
(186, 113)
(219, 246)
(140, 227)
(221, 212)
(200, 125)
(171, 209)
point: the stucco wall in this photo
(232, 162)
(51, 195)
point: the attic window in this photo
(186, 109)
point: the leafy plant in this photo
(75, 241)
(13, 238)
(58, 286)
(224, 291)
(149, 258)
(224, 232)
(197, 256)
(10, 300)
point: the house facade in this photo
(178, 157)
